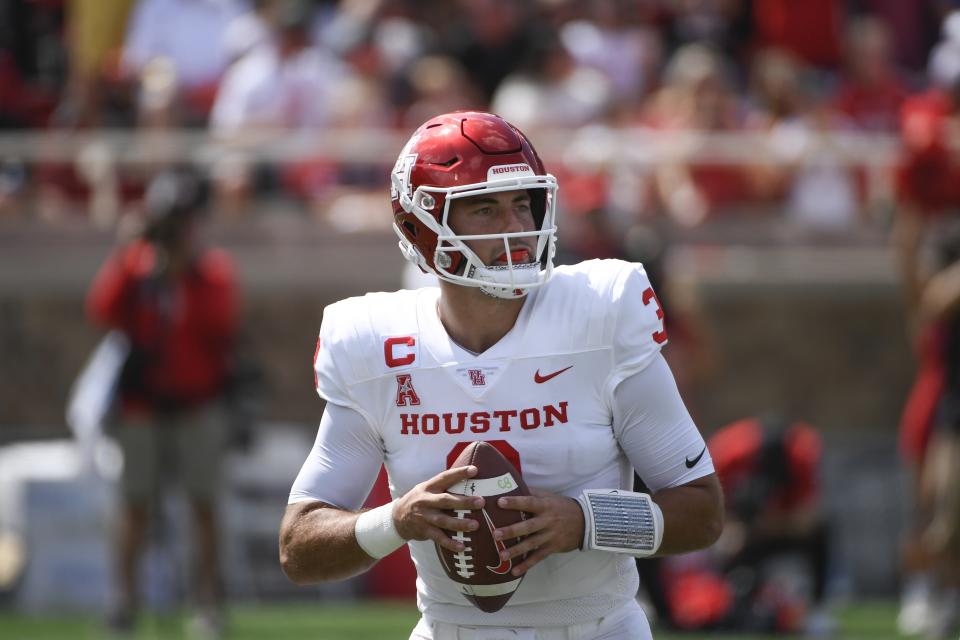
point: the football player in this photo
(559, 368)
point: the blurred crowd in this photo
(244, 69)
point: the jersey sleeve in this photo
(638, 333)
(655, 429)
(332, 359)
(344, 461)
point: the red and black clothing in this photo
(920, 410)
(739, 453)
(928, 178)
(181, 328)
(928, 173)
(769, 470)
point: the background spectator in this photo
(251, 29)
(32, 62)
(286, 84)
(438, 84)
(811, 174)
(613, 38)
(871, 90)
(94, 40)
(698, 97)
(809, 30)
(168, 49)
(553, 90)
(176, 302)
(490, 38)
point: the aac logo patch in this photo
(406, 394)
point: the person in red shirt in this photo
(769, 469)
(810, 30)
(177, 304)
(871, 91)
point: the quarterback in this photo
(558, 368)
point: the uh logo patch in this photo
(477, 377)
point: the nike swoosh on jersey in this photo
(505, 565)
(692, 463)
(539, 379)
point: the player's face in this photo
(503, 212)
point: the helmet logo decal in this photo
(501, 171)
(401, 176)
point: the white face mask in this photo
(500, 281)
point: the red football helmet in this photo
(463, 154)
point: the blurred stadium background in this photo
(744, 147)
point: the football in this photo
(481, 576)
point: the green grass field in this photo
(353, 621)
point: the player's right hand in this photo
(420, 513)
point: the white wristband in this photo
(376, 533)
(621, 521)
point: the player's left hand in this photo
(556, 526)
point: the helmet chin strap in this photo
(504, 294)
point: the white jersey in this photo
(544, 395)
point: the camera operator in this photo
(176, 302)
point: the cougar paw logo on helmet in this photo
(467, 154)
(481, 575)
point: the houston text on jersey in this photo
(414, 424)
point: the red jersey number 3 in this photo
(658, 336)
